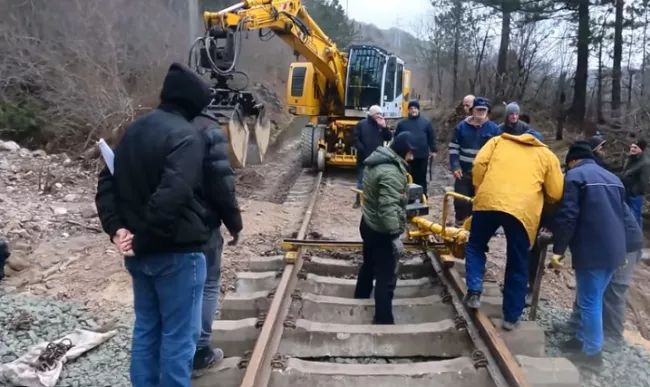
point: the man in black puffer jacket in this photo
(152, 208)
(219, 187)
(424, 142)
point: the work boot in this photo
(573, 345)
(472, 299)
(565, 327)
(205, 358)
(591, 363)
(509, 326)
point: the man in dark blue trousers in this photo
(424, 141)
(590, 221)
(469, 137)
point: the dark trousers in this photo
(419, 169)
(378, 264)
(463, 186)
(484, 225)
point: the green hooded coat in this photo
(385, 192)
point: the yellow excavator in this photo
(333, 87)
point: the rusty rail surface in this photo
(258, 371)
(501, 364)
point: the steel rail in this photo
(258, 371)
(501, 365)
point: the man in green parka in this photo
(384, 220)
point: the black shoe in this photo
(356, 205)
(472, 299)
(592, 363)
(573, 345)
(205, 358)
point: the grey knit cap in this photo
(512, 108)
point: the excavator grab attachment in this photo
(262, 132)
(238, 138)
(235, 107)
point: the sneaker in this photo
(572, 345)
(565, 327)
(591, 363)
(205, 358)
(509, 326)
(472, 299)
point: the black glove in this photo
(234, 240)
(398, 248)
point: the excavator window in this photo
(365, 74)
(389, 83)
(298, 81)
(399, 90)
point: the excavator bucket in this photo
(262, 132)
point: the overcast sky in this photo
(384, 13)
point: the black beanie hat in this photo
(402, 144)
(641, 143)
(414, 103)
(580, 150)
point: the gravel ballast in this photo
(108, 365)
(627, 367)
(27, 321)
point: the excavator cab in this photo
(231, 103)
(374, 77)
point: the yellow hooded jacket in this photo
(516, 175)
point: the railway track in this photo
(293, 321)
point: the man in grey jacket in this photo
(615, 297)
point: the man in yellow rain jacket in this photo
(513, 176)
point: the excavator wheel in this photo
(306, 147)
(319, 132)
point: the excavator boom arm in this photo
(290, 21)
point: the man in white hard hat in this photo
(369, 134)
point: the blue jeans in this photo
(167, 291)
(636, 203)
(359, 180)
(484, 225)
(591, 285)
(614, 300)
(211, 293)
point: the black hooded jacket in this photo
(218, 176)
(157, 186)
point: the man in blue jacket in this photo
(615, 297)
(592, 198)
(369, 134)
(469, 137)
(424, 141)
